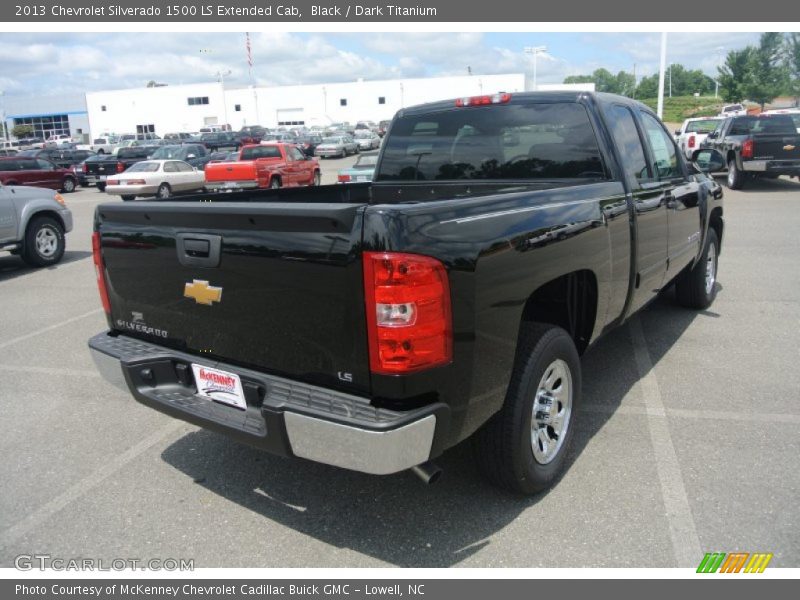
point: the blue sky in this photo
(58, 63)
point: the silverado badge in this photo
(202, 292)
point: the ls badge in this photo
(202, 292)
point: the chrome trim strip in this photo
(514, 211)
(374, 452)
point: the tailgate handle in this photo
(198, 249)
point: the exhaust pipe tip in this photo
(428, 472)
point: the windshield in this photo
(166, 152)
(366, 161)
(143, 167)
(518, 141)
(704, 126)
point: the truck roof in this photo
(526, 97)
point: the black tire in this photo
(504, 445)
(735, 177)
(68, 186)
(39, 254)
(275, 183)
(101, 151)
(692, 288)
(317, 180)
(101, 187)
(128, 198)
(164, 191)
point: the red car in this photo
(36, 172)
(264, 165)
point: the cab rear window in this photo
(511, 141)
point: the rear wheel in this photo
(275, 183)
(164, 191)
(735, 176)
(101, 187)
(44, 242)
(128, 198)
(317, 179)
(68, 186)
(523, 447)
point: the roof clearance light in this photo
(501, 98)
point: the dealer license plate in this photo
(220, 386)
(231, 184)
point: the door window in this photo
(623, 128)
(665, 155)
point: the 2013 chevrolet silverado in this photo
(373, 326)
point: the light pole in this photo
(3, 115)
(536, 51)
(222, 75)
(670, 80)
(720, 50)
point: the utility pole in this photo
(634, 82)
(3, 116)
(720, 50)
(670, 80)
(222, 75)
(536, 51)
(660, 110)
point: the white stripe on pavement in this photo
(27, 336)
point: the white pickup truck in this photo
(693, 132)
(103, 145)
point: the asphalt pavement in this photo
(687, 441)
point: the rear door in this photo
(49, 174)
(681, 196)
(8, 217)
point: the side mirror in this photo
(708, 160)
(677, 132)
(713, 135)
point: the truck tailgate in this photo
(283, 294)
(776, 147)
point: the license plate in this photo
(102, 177)
(362, 178)
(220, 386)
(231, 184)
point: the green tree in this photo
(735, 74)
(579, 79)
(625, 83)
(768, 76)
(793, 64)
(648, 87)
(21, 131)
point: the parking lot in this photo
(687, 441)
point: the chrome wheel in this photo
(46, 242)
(711, 268)
(552, 409)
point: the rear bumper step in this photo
(283, 417)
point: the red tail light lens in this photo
(85, 168)
(691, 141)
(409, 320)
(99, 269)
(120, 167)
(483, 100)
(343, 178)
(747, 149)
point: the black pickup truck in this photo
(373, 326)
(96, 169)
(756, 146)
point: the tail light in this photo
(747, 149)
(99, 269)
(85, 168)
(483, 100)
(409, 321)
(691, 142)
(120, 167)
(343, 178)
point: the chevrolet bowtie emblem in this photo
(788, 147)
(202, 292)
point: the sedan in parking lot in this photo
(340, 146)
(362, 170)
(367, 140)
(159, 178)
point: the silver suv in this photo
(33, 222)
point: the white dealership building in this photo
(189, 107)
(174, 108)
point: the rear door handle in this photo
(198, 249)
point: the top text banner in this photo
(393, 11)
